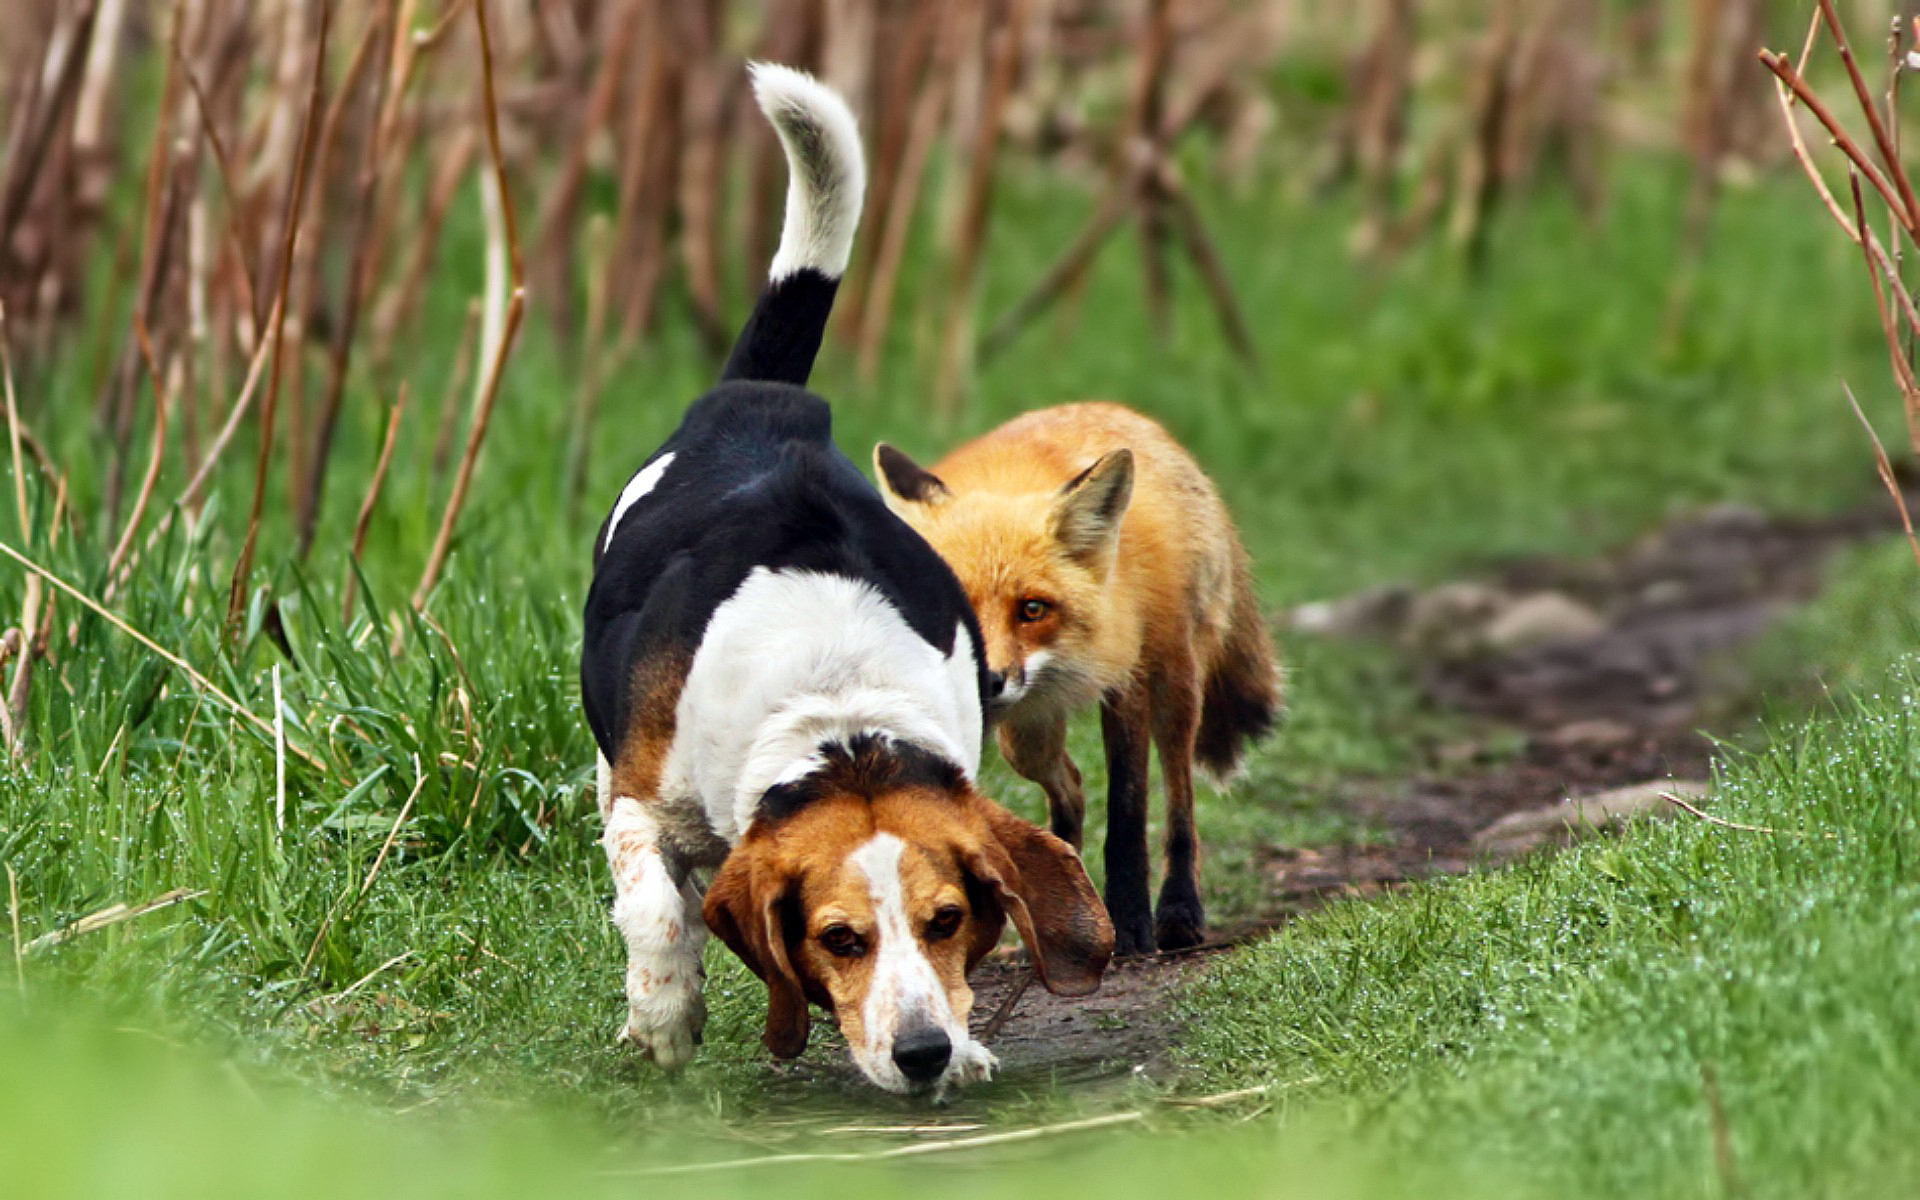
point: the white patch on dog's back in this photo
(643, 481)
(794, 659)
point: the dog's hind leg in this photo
(657, 911)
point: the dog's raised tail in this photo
(827, 176)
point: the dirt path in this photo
(1620, 704)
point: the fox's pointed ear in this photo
(746, 907)
(904, 481)
(1086, 518)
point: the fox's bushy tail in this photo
(827, 178)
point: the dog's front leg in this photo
(657, 911)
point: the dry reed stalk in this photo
(956, 359)
(463, 359)
(1211, 266)
(156, 454)
(896, 220)
(372, 498)
(162, 194)
(557, 215)
(1477, 189)
(256, 367)
(237, 231)
(358, 281)
(894, 120)
(702, 171)
(503, 243)
(586, 401)
(24, 636)
(1379, 121)
(649, 180)
(28, 148)
(390, 315)
(296, 198)
(302, 489)
(1145, 109)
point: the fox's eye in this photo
(1032, 610)
(945, 923)
(842, 942)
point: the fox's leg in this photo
(1179, 919)
(657, 911)
(1124, 728)
(1038, 751)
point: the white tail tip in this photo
(828, 171)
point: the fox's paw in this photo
(1132, 936)
(1179, 924)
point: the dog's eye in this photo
(1033, 609)
(945, 923)
(842, 942)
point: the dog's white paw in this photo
(972, 1063)
(666, 1020)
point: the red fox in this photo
(1103, 565)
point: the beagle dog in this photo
(786, 685)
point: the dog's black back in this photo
(755, 481)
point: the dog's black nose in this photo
(996, 684)
(922, 1054)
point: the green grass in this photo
(1408, 423)
(1556, 1019)
(1541, 1031)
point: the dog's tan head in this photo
(874, 886)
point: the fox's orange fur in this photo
(1104, 566)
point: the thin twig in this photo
(913, 1151)
(393, 834)
(1884, 466)
(1710, 819)
(369, 977)
(13, 427)
(365, 519)
(157, 453)
(207, 685)
(1778, 64)
(111, 915)
(1881, 139)
(1000, 1015)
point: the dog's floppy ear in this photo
(904, 481)
(1040, 883)
(746, 906)
(1086, 518)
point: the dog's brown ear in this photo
(1045, 890)
(904, 481)
(1086, 517)
(746, 907)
